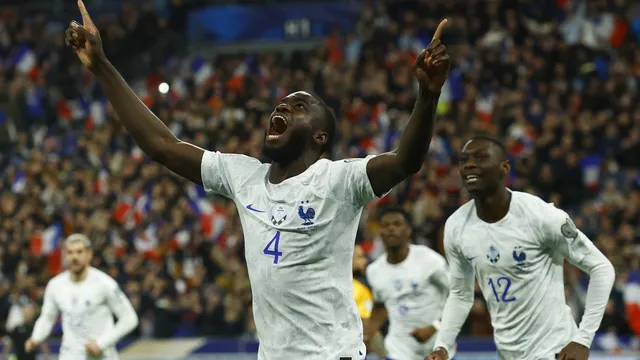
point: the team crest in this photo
(569, 229)
(519, 255)
(493, 254)
(278, 215)
(308, 214)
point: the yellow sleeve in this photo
(363, 298)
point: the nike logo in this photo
(471, 258)
(250, 207)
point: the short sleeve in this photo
(350, 182)
(562, 236)
(223, 174)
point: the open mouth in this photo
(278, 127)
(470, 179)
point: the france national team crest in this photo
(307, 214)
(278, 215)
(493, 254)
(519, 255)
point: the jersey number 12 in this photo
(272, 248)
(501, 282)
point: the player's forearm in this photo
(602, 277)
(126, 323)
(149, 132)
(42, 328)
(455, 312)
(416, 137)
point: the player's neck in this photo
(494, 207)
(397, 255)
(80, 276)
(280, 172)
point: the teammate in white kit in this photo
(410, 285)
(87, 298)
(514, 244)
(299, 214)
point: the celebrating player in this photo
(410, 285)
(299, 214)
(87, 299)
(515, 244)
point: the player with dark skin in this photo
(483, 169)
(396, 234)
(299, 121)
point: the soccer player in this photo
(87, 298)
(410, 285)
(299, 214)
(514, 244)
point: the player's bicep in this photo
(49, 308)
(118, 301)
(384, 173)
(181, 158)
(461, 275)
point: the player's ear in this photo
(320, 137)
(506, 167)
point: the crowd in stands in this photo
(558, 81)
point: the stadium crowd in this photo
(557, 80)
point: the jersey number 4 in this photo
(272, 248)
(499, 284)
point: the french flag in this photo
(202, 70)
(118, 243)
(146, 243)
(142, 208)
(212, 219)
(180, 240)
(484, 108)
(632, 301)
(47, 241)
(25, 61)
(69, 110)
(590, 166)
(97, 114)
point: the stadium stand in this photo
(557, 80)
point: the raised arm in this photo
(149, 132)
(430, 69)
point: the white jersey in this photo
(87, 309)
(299, 239)
(518, 263)
(413, 292)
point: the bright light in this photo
(163, 88)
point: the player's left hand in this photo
(574, 351)
(432, 65)
(93, 349)
(423, 334)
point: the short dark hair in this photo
(329, 123)
(493, 140)
(396, 210)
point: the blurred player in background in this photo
(299, 214)
(515, 245)
(87, 298)
(410, 285)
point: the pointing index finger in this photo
(86, 19)
(439, 30)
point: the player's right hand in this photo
(30, 345)
(85, 39)
(439, 354)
